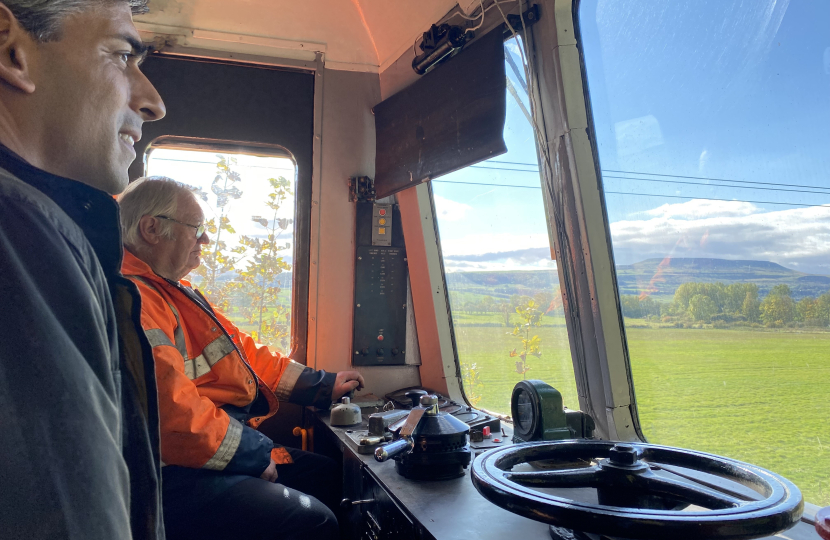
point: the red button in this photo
(485, 431)
(382, 212)
(380, 338)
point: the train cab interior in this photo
(578, 249)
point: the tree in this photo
(506, 310)
(781, 290)
(259, 280)
(630, 304)
(471, 381)
(806, 310)
(777, 309)
(702, 308)
(823, 309)
(529, 316)
(218, 259)
(751, 307)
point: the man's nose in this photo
(204, 239)
(146, 100)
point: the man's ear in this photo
(149, 228)
(16, 48)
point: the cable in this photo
(717, 185)
(662, 174)
(481, 22)
(485, 184)
(711, 199)
(641, 194)
(711, 179)
(536, 171)
(464, 16)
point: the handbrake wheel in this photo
(634, 501)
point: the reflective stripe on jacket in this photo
(209, 374)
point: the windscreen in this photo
(712, 121)
(503, 285)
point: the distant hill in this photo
(660, 279)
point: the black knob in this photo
(380, 351)
(415, 396)
(365, 351)
(395, 352)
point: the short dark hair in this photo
(43, 18)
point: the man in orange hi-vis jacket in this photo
(222, 478)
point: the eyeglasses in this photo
(200, 229)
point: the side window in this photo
(249, 208)
(712, 121)
(503, 286)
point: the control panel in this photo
(380, 288)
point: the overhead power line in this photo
(713, 179)
(718, 185)
(712, 199)
(825, 192)
(642, 194)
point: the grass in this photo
(757, 396)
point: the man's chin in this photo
(113, 183)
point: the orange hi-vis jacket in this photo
(215, 384)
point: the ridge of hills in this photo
(656, 277)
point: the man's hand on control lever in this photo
(345, 382)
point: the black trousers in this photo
(205, 505)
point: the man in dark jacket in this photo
(79, 421)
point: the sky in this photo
(712, 121)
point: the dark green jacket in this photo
(79, 448)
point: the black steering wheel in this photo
(644, 490)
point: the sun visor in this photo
(450, 118)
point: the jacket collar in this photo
(133, 266)
(93, 211)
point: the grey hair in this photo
(43, 19)
(149, 196)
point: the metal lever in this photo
(345, 504)
(404, 444)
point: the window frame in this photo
(302, 211)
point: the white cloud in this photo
(701, 208)
(449, 210)
(796, 238)
(480, 244)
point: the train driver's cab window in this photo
(713, 143)
(249, 206)
(503, 286)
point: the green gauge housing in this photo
(538, 415)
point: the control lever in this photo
(345, 504)
(404, 444)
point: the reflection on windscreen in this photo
(249, 211)
(712, 120)
(503, 286)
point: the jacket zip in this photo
(219, 325)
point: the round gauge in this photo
(523, 413)
(538, 414)
(526, 409)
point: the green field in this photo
(758, 396)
